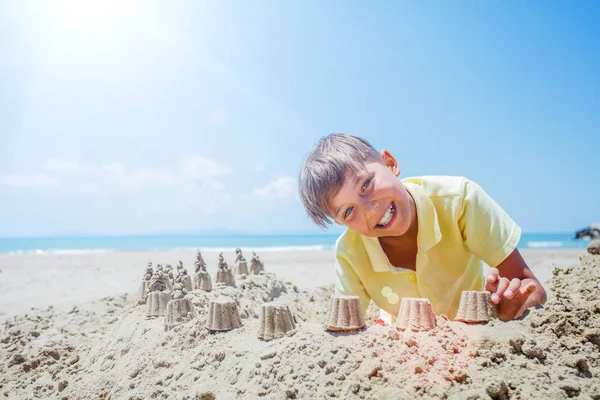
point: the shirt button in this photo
(424, 287)
(413, 277)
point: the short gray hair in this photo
(324, 169)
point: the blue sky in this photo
(123, 117)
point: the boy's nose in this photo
(371, 207)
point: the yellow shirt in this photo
(459, 227)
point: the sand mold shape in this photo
(476, 307)
(223, 315)
(178, 311)
(225, 276)
(276, 321)
(142, 291)
(345, 314)
(202, 281)
(186, 281)
(156, 303)
(594, 247)
(257, 266)
(415, 314)
(240, 268)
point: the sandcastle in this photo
(475, 307)
(240, 266)
(202, 280)
(167, 281)
(593, 247)
(158, 295)
(223, 315)
(345, 314)
(224, 273)
(183, 277)
(145, 284)
(276, 321)
(169, 273)
(415, 314)
(179, 309)
(257, 265)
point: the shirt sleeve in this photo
(348, 283)
(487, 230)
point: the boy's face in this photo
(374, 202)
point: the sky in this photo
(122, 117)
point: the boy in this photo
(419, 237)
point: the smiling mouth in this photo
(388, 217)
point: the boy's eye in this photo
(366, 184)
(348, 212)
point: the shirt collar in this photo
(428, 235)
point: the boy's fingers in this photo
(528, 289)
(514, 286)
(492, 275)
(502, 286)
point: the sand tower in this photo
(202, 280)
(142, 291)
(183, 277)
(224, 273)
(169, 273)
(276, 320)
(158, 295)
(416, 314)
(257, 265)
(179, 308)
(594, 247)
(165, 278)
(344, 314)
(476, 307)
(223, 315)
(240, 266)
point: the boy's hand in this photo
(513, 296)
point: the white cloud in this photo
(193, 173)
(29, 180)
(280, 189)
(68, 167)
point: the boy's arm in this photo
(492, 236)
(348, 283)
(514, 286)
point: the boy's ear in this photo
(390, 162)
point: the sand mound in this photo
(108, 349)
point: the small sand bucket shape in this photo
(276, 321)
(186, 281)
(345, 314)
(594, 247)
(415, 314)
(156, 303)
(240, 267)
(225, 276)
(142, 291)
(476, 307)
(202, 281)
(223, 315)
(179, 309)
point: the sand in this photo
(96, 343)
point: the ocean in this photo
(263, 243)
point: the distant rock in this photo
(591, 232)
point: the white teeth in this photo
(387, 216)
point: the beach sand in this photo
(86, 338)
